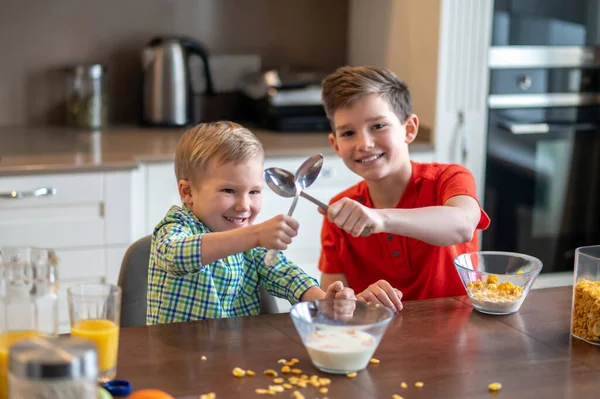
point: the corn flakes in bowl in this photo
(497, 282)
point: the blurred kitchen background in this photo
(508, 88)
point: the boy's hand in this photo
(336, 290)
(277, 233)
(353, 217)
(342, 311)
(384, 294)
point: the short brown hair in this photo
(349, 84)
(223, 141)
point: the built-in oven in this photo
(542, 180)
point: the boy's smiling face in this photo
(227, 195)
(370, 138)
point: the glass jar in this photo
(28, 299)
(49, 368)
(585, 310)
(87, 102)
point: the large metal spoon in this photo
(305, 176)
(282, 183)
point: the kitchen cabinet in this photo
(90, 220)
(440, 49)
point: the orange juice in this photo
(105, 334)
(7, 339)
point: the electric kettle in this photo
(167, 92)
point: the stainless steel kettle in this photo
(167, 93)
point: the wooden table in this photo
(454, 350)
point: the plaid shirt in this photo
(180, 288)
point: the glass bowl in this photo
(497, 282)
(340, 335)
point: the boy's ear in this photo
(412, 128)
(333, 142)
(185, 192)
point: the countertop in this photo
(60, 150)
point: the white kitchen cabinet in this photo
(90, 220)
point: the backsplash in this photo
(39, 38)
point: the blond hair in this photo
(349, 84)
(221, 141)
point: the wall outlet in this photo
(226, 70)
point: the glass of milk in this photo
(340, 335)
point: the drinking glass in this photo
(28, 299)
(94, 312)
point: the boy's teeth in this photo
(234, 220)
(374, 157)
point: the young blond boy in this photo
(422, 215)
(207, 256)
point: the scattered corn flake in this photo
(296, 371)
(396, 396)
(290, 364)
(282, 361)
(324, 381)
(270, 372)
(238, 372)
(301, 384)
(203, 357)
(276, 388)
(323, 390)
(262, 391)
(304, 377)
(285, 369)
(287, 386)
(374, 361)
(294, 360)
(419, 384)
(250, 373)
(210, 395)
(278, 381)
(495, 386)
(404, 385)
(351, 375)
(298, 395)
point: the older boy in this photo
(422, 215)
(207, 256)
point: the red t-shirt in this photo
(418, 269)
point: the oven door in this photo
(546, 23)
(542, 188)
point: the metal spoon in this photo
(271, 257)
(282, 183)
(305, 176)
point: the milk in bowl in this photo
(340, 335)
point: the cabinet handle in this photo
(39, 192)
(328, 172)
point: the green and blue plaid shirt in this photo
(180, 288)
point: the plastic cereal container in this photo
(585, 310)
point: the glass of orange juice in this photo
(94, 312)
(28, 299)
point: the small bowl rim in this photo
(376, 324)
(530, 258)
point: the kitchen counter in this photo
(59, 150)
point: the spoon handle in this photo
(271, 257)
(314, 201)
(366, 231)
